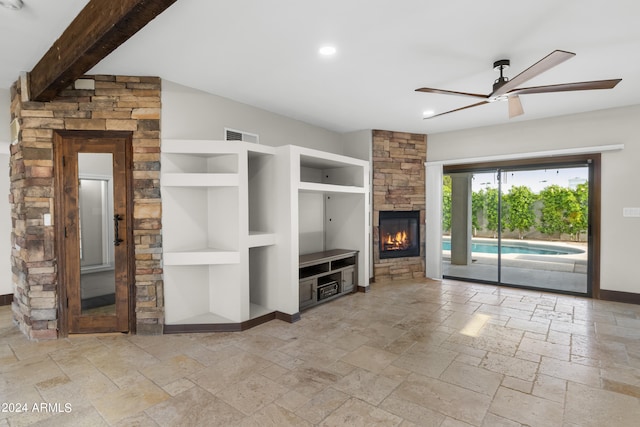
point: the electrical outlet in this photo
(631, 212)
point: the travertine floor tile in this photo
(414, 353)
(511, 366)
(367, 386)
(445, 398)
(412, 412)
(356, 413)
(194, 407)
(322, 404)
(124, 403)
(431, 363)
(591, 407)
(570, 371)
(370, 358)
(526, 409)
(252, 393)
(476, 379)
(274, 416)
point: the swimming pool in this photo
(514, 247)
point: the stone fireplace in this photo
(398, 191)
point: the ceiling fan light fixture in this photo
(12, 4)
(515, 107)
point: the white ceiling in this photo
(265, 53)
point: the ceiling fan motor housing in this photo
(500, 65)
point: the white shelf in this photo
(204, 147)
(260, 149)
(329, 188)
(206, 256)
(203, 318)
(200, 180)
(258, 239)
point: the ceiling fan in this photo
(506, 89)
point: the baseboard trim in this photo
(6, 299)
(618, 296)
(291, 318)
(230, 327)
(364, 289)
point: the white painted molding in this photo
(531, 154)
(433, 222)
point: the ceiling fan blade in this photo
(554, 58)
(567, 87)
(515, 106)
(451, 92)
(457, 109)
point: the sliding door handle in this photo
(116, 225)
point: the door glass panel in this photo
(545, 218)
(470, 225)
(96, 231)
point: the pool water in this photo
(514, 248)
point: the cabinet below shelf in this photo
(201, 257)
(324, 276)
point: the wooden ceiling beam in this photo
(98, 30)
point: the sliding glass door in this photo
(525, 225)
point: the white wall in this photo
(358, 144)
(620, 249)
(5, 218)
(6, 286)
(188, 113)
(5, 116)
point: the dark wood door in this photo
(95, 232)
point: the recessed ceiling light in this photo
(428, 113)
(12, 4)
(327, 50)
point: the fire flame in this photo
(401, 236)
(398, 241)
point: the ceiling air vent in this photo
(238, 135)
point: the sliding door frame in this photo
(593, 232)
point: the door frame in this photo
(595, 202)
(59, 223)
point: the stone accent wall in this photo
(398, 185)
(117, 103)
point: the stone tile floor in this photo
(425, 353)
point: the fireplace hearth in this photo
(399, 234)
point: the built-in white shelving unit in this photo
(236, 218)
(324, 207)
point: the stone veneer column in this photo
(398, 185)
(117, 103)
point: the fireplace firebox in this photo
(399, 233)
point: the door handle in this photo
(116, 225)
